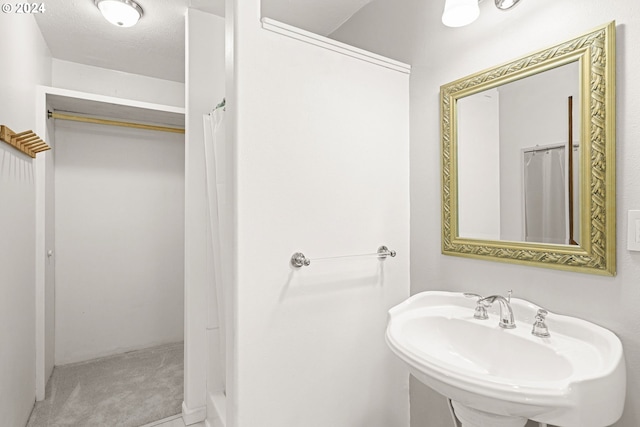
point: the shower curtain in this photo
(214, 155)
(545, 203)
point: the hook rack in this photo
(298, 259)
(27, 142)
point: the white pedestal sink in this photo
(502, 377)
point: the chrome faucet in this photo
(506, 313)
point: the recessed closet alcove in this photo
(111, 223)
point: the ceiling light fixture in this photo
(123, 13)
(506, 4)
(458, 13)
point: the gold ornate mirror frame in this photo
(595, 53)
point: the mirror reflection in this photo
(518, 158)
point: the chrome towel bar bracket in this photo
(298, 259)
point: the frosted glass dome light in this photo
(458, 13)
(122, 13)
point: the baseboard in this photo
(216, 409)
(115, 352)
(163, 421)
(193, 415)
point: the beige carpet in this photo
(127, 390)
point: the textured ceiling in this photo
(75, 31)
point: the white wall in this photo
(87, 78)
(479, 171)
(27, 63)
(204, 90)
(524, 105)
(321, 142)
(119, 216)
(412, 32)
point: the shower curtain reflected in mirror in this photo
(545, 201)
(217, 207)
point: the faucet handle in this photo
(539, 326)
(479, 298)
(481, 307)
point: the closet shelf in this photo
(27, 142)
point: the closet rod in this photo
(84, 119)
(538, 149)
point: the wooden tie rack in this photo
(27, 142)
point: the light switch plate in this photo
(633, 231)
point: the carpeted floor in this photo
(126, 390)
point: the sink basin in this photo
(573, 378)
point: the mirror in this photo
(515, 177)
(528, 158)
